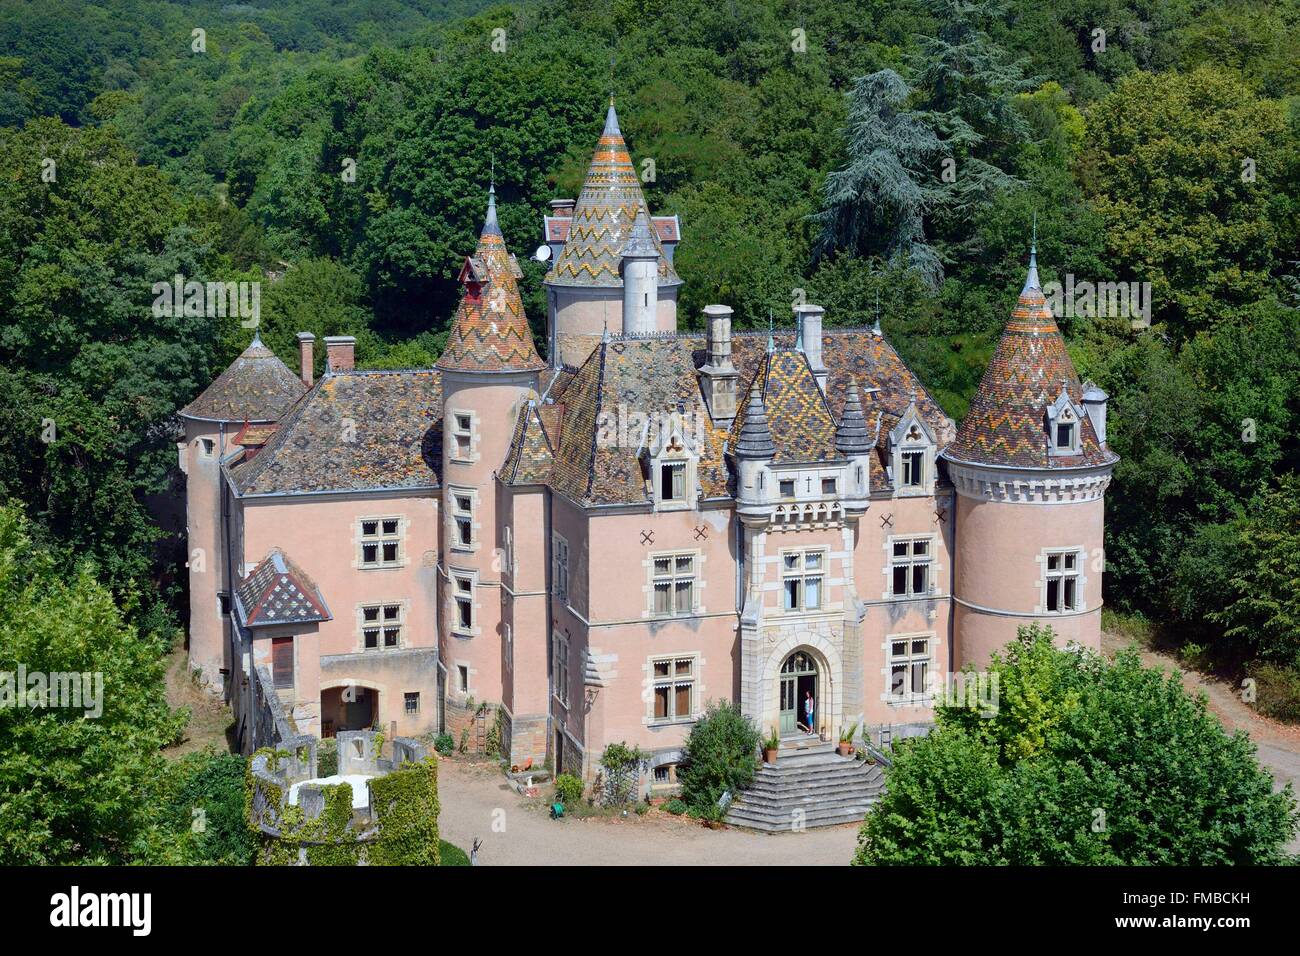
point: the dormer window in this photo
(913, 469)
(1065, 435)
(913, 446)
(672, 481)
(671, 466)
(1063, 425)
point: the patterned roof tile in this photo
(257, 387)
(277, 591)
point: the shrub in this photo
(568, 789)
(327, 757)
(444, 744)
(451, 855)
(721, 755)
(621, 770)
(675, 807)
(1277, 691)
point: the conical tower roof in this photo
(754, 439)
(490, 332)
(257, 387)
(604, 216)
(1007, 420)
(852, 437)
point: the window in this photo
(381, 542)
(381, 626)
(674, 688)
(462, 436)
(913, 469)
(463, 593)
(411, 702)
(787, 487)
(207, 446)
(909, 667)
(910, 567)
(560, 568)
(510, 645)
(560, 672)
(462, 678)
(462, 516)
(1065, 435)
(802, 573)
(672, 481)
(282, 662)
(223, 603)
(828, 486)
(674, 584)
(1062, 580)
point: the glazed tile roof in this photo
(668, 228)
(257, 387)
(354, 431)
(277, 591)
(798, 417)
(1007, 420)
(602, 218)
(596, 463)
(531, 458)
(490, 332)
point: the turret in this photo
(753, 453)
(640, 277)
(718, 375)
(854, 441)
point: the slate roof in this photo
(277, 591)
(257, 387)
(354, 431)
(592, 462)
(603, 216)
(1007, 421)
(800, 421)
(490, 332)
(531, 458)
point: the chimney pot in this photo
(563, 208)
(306, 357)
(340, 353)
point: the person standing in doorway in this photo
(809, 708)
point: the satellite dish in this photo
(543, 253)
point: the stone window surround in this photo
(1081, 589)
(454, 513)
(697, 592)
(905, 443)
(649, 682)
(455, 692)
(1063, 411)
(560, 670)
(453, 575)
(823, 573)
(908, 699)
(508, 638)
(561, 579)
(453, 431)
(936, 567)
(359, 634)
(690, 482)
(403, 524)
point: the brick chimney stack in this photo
(340, 353)
(306, 356)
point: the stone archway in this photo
(826, 662)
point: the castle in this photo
(599, 543)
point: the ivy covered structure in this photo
(374, 811)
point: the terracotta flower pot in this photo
(769, 755)
(845, 748)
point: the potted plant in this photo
(846, 740)
(770, 746)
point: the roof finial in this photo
(490, 226)
(875, 328)
(771, 340)
(1031, 280)
(257, 337)
(798, 333)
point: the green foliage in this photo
(1085, 762)
(620, 773)
(451, 855)
(327, 757)
(1277, 691)
(200, 808)
(720, 755)
(568, 789)
(406, 807)
(675, 806)
(444, 744)
(75, 788)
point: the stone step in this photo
(782, 809)
(784, 822)
(762, 789)
(813, 785)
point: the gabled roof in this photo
(277, 591)
(257, 387)
(1007, 421)
(531, 458)
(801, 424)
(602, 220)
(354, 431)
(490, 332)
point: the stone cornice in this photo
(1030, 486)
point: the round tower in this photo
(489, 368)
(640, 278)
(1030, 466)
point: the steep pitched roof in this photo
(754, 438)
(852, 437)
(490, 332)
(277, 591)
(602, 220)
(531, 457)
(354, 431)
(800, 421)
(1007, 420)
(257, 387)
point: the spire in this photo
(851, 438)
(1031, 280)
(640, 242)
(755, 438)
(875, 327)
(490, 226)
(771, 339)
(611, 121)
(798, 332)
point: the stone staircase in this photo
(809, 776)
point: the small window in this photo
(462, 678)
(381, 626)
(560, 568)
(462, 436)
(223, 603)
(1065, 435)
(828, 486)
(282, 662)
(560, 672)
(672, 481)
(673, 580)
(1061, 582)
(913, 469)
(462, 514)
(411, 702)
(909, 667)
(802, 574)
(787, 487)
(910, 567)
(381, 542)
(207, 447)
(674, 688)
(464, 597)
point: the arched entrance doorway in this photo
(798, 679)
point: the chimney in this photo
(808, 319)
(719, 376)
(306, 356)
(340, 353)
(563, 208)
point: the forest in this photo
(889, 158)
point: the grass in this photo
(452, 855)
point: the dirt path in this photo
(1278, 744)
(209, 717)
(474, 796)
